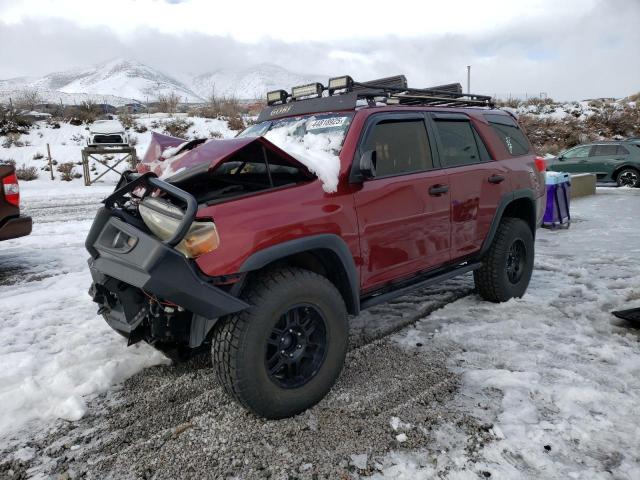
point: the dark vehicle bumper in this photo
(15, 227)
(129, 267)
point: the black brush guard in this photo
(123, 256)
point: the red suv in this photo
(261, 246)
(12, 224)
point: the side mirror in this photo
(368, 164)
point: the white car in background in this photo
(107, 133)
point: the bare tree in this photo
(27, 99)
(169, 102)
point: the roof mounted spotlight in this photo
(340, 83)
(310, 90)
(277, 96)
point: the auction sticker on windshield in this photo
(329, 122)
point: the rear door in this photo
(403, 213)
(573, 160)
(603, 158)
(477, 183)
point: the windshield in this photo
(313, 140)
(331, 125)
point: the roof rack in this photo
(344, 94)
(397, 92)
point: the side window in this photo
(578, 152)
(458, 143)
(509, 132)
(401, 146)
(622, 150)
(605, 150)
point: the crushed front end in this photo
(145, 281)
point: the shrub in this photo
(127, 120)
(177, 127)
(236, 123)
(9, 161)
(11, 122)
(168, 103)
(38, 156)
(12, 139)
(67, 171)
(139, 128)
(214, 134)
(26, 173)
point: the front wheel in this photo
(284, 353)
(628, 177)
(506, 270)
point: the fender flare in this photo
(325, 241)
(502, 206)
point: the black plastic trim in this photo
(326, 241)
(420, 281)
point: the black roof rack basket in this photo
(396, 92)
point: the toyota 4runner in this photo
(260, 247)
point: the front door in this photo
(403, 212)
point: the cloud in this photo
(590, 53)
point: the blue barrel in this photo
(557, 215)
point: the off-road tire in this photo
(239, 342)
(492, 279)
(628, 174)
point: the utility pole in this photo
(468, 78)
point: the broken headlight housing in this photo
(163, 219)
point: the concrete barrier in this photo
(583, 184)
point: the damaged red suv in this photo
(261, 247)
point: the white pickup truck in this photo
(107, 133)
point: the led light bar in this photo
(340, 83)
(277, 96)
(312, 89)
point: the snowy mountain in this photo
(123, 78)
(120, 81)
(248, 83)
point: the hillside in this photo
(121, 81)
(248, 83)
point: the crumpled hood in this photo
(185, 155)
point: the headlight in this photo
(163, 220)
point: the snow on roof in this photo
(106, 126)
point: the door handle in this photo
(496, 179)
(437, 190)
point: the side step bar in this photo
(420, 282)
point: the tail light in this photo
(11, 189)
(541, 164)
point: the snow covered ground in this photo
(552, 377)
(67, 142)
(554, 372)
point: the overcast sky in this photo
(570, 49)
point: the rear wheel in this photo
(506, 270)
(628, 177)
(283, 354)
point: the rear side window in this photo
(622, 150)
(604, 150)
(509, 132)
(401, 146)
(458, 143)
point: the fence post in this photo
(50, 164)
